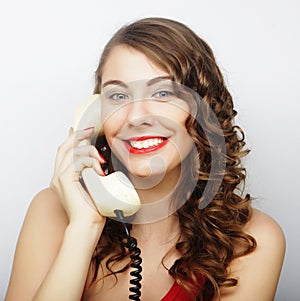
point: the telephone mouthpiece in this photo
(112, 192)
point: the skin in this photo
(61, 228)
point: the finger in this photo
(81, 151)
(88, 151)
(73, 141)
(84, 162)
(75, 138)
(82, 135)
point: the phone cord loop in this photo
(131, 244)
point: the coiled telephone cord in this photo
(131, 245)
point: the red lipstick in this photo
(147, 149)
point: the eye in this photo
(163, 94)
(118, 96)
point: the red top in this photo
(177, 293)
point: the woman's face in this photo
(143, 121)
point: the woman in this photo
(212, 246)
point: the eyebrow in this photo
(158, 79)
(149, 83)
(115, 83)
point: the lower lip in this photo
(151, 149)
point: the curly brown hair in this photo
(213, 236)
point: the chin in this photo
(147, 172)
(145, 178)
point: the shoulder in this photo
(47, 203)
(45, 212)
(45, 217)
(38, 243)
(258, 272)
(270, 240)
(45, 198)
(45, 221)
(266, 231)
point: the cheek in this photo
(185, 141)
(110, 131)
(112, 126)
(177, 113)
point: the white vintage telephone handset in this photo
(114, 194)
(114, 191)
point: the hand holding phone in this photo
(70, 160)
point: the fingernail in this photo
(89, 128)
(100, 170)
(102, 158)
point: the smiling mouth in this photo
(144, 145)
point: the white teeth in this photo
(145, 143)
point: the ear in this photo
(88, 114)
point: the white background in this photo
(49, 52)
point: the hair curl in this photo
(213, 236)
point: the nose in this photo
(139, 114)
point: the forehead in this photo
(127, 64)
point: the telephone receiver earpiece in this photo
(88, 114)
(114, 191)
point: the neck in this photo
(160, 233)
(157, 200)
